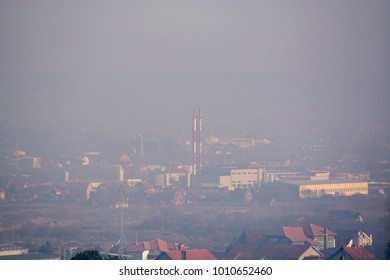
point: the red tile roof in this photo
(194, 254)
(313, 230)
(359, 253)
(296, 234)
(105, 248)
(155, 245)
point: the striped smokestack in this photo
(199, 169)
(194, 137)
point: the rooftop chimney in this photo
(183, 255)
(325, 237)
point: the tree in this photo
(45, 248)
(387, 251)
(88, 255)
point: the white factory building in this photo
(242, 178)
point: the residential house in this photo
(193, 254)
(151, 249)
(362, 239)
(273, 251)
(241, 251)
(325, 238)
(290, 235)
(352, 253)
(257, 244)
(287, 252)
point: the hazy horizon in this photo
(251, 66)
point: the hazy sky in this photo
(143, 65)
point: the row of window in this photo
(341, 190)
(243, 185)
(244, 173)
(248, 181)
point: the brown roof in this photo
(282, 251)
(352, 253)
(241, 251)
(359, 253)
(194, 254)
(296, 234)
(313, 230)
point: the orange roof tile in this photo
(296, 234)
(157, 245)
(194, 254)
(314, 230)
(359, 253)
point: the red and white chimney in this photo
(194, 138)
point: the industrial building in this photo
(286, 175)
(315, 189)
(174, 176)
(242, 178)
(12, 250)
(29, 163)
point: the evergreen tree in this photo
(88, 255)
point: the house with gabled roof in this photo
(310, 236)
(362, 239)
(352, 253)
(240, 251)
(287, 252)
(324, 237)
(273, 251)
(193, 254)
(290, 235)
(150, 249)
